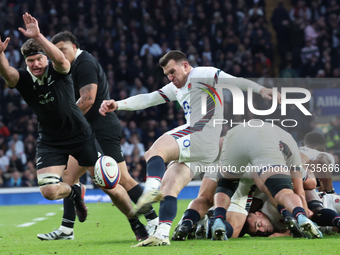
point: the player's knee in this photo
(153, 152)
(278, 182)
(207, 200)
(126, 180)
(309, 184)
(227, 186)
(49, 192)
(49, 185)
(148, 154)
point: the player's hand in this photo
(3, 45)
(108, 106)
(32, 28)
(267, 93)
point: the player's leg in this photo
(175, 179)
(279, 184)
(111, 147)
(165, 149)
(48, 179)
(226, 187)
(65, 231)
(133, 192)
(196, 209)
(322, 216)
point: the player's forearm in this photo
(84, 104)
(140, 102)
(244, 84)
(57, 57)
(10, 74)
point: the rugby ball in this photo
(106, 172)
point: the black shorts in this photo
(109, 141)
(86, 153)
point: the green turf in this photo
(106, 231)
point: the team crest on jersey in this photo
(337, 200)
(189, 87)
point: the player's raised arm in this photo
(10, 74)
(244, 84)
(138, 102)
(60, 63)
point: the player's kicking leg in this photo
(175, 179)
(165, 149)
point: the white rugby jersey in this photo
(312, 154)
(331, 201)
(201, 80)
(274, 216)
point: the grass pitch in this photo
(106, 231)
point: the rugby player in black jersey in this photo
(47, 88)
(91, 88)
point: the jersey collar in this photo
(40, 81)
(79, 51)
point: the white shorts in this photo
(198, 150)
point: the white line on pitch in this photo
(26, 224)
(50, 214)
(39, 219)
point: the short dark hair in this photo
(65, 36)
(30, 46)
(315, 139)
(172, 55)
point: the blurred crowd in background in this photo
(128, 37)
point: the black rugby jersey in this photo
(52, 100)
(85, 69)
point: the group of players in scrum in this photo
(196, 144)
(263, 217)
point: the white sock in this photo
(151, 183)
(66, 230)
(153, 221)
(163, 230)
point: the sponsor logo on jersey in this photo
(46, 100)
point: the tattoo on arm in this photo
(86, 100)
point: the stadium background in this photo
(268, 41)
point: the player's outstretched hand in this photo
(108, 106)
(267, 93)
(3, 45)
(32, 27)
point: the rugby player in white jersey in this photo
(273, 153)
(193, 144)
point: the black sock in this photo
(297, 211)
(69, 215)
(229, 229)
(135, 194)
(168, 209)
(75, 192)
(283, 211)
(135, 223)
(155, 167)
(327, 217)
(220, 212)
(191, 217)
